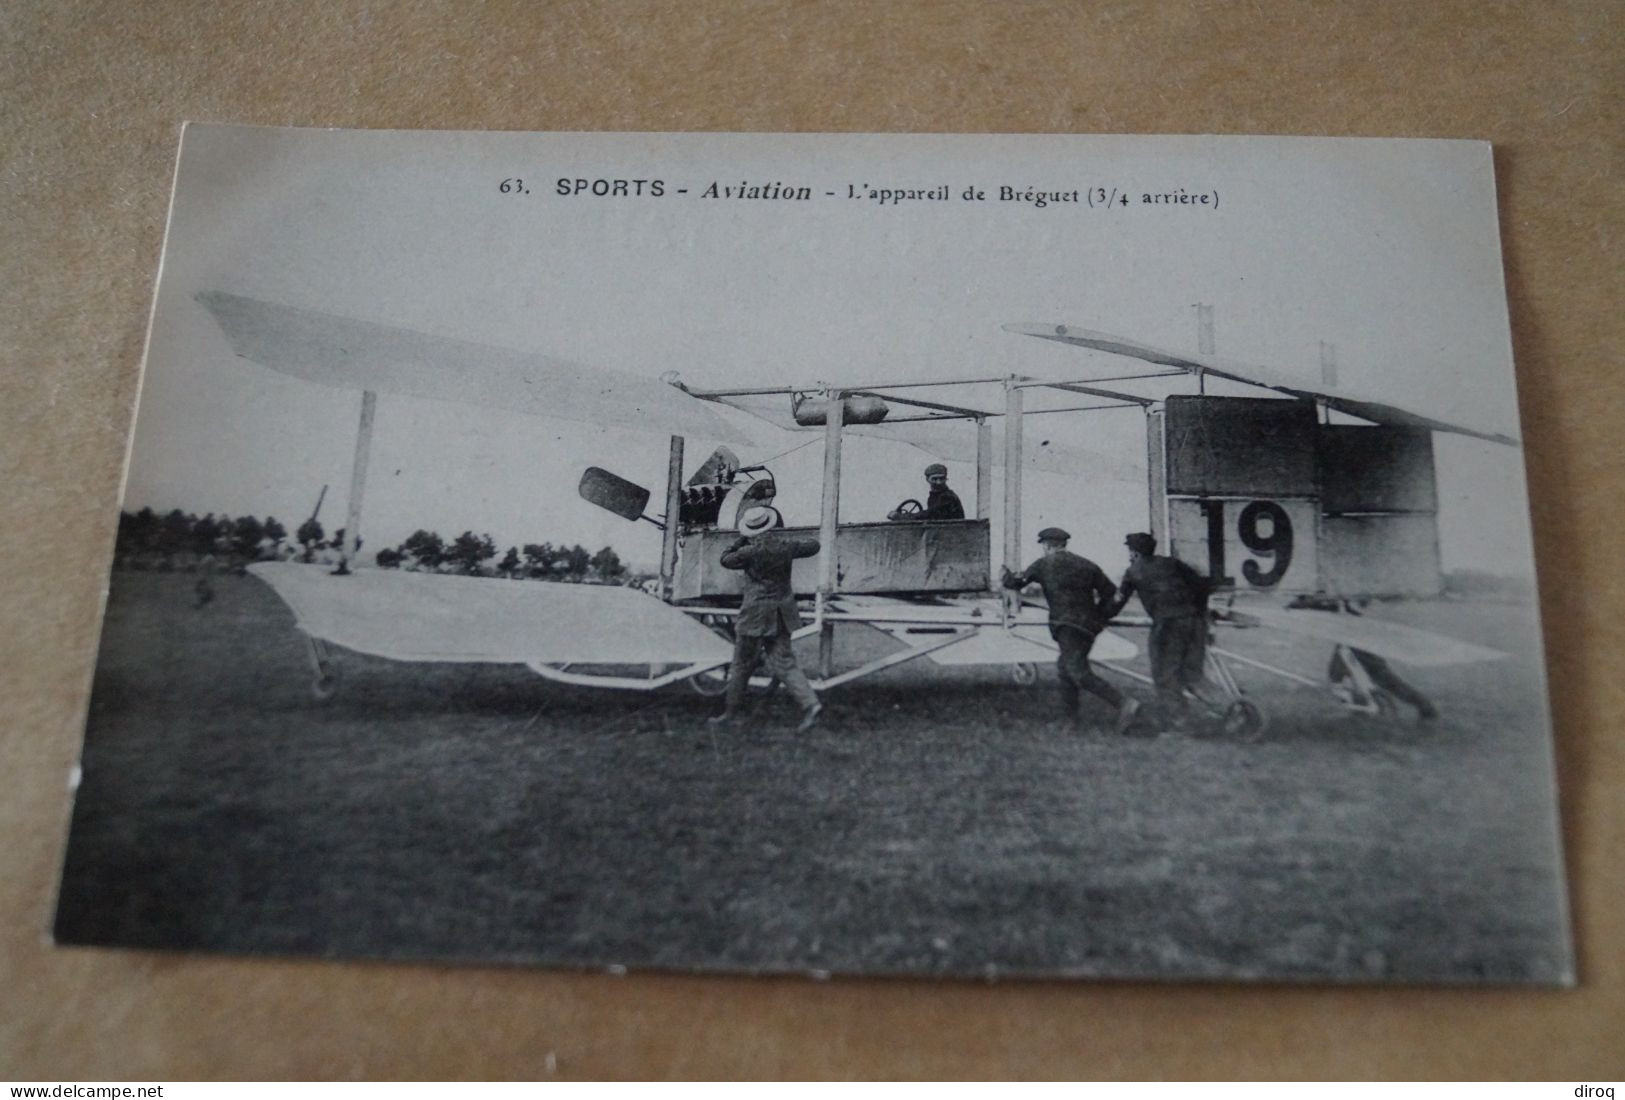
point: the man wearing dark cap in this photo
(942, 502)
(1079, 596)
(1175, 596)
(767, 613)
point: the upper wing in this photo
(362, 355)
(1377, 412)
(430, 617)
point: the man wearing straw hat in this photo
(767, 614)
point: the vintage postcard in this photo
(982, 556)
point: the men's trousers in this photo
(1178, 654)
(1076, 675)
(777, 653)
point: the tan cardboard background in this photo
(91, 97)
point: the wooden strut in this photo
(828, 526)
(827, 681)
(772, 391)
(1012, 491)
(1281, 672)
(924, 418)
(1092, 391)
(920, 618)
(562, 674)
(674, 503)
(956, 410)
(358, 480)
(984, 475)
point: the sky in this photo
(1387, 250)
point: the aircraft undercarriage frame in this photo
(716, 685)
(327, 670)
(1241, 716)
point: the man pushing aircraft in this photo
(1079, 596)
(1175, 596)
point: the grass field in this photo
(939, 822)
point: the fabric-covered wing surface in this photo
(1406, 644)
(430, 617)
(1378, 412)
(361, 355)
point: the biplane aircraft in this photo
(1264, 495)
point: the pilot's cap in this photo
(1141, 543)
(936, 469)
(1053, 534)
(757, 520)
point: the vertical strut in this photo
(829, 519)
(358, 480)
(984, 482)
(674, 504)
(1012, 490)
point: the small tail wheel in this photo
(1387, 706)
(1024, 673)
(326, 683)
(1245, 719)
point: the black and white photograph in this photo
(967, 556)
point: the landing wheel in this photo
(714, 681)
(326, 683)
(1024, 673)
(1245, 720)
(710, 683)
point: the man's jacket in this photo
(943, 503)
(1079, 593)
(1169, 588)
(769, 602)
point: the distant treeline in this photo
(182, 540)
(469, 553)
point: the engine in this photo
(718, 503)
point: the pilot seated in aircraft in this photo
(1175, 596)
(767, 613)
(1079, 594)
(941, 503)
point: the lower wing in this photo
(408, 616)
